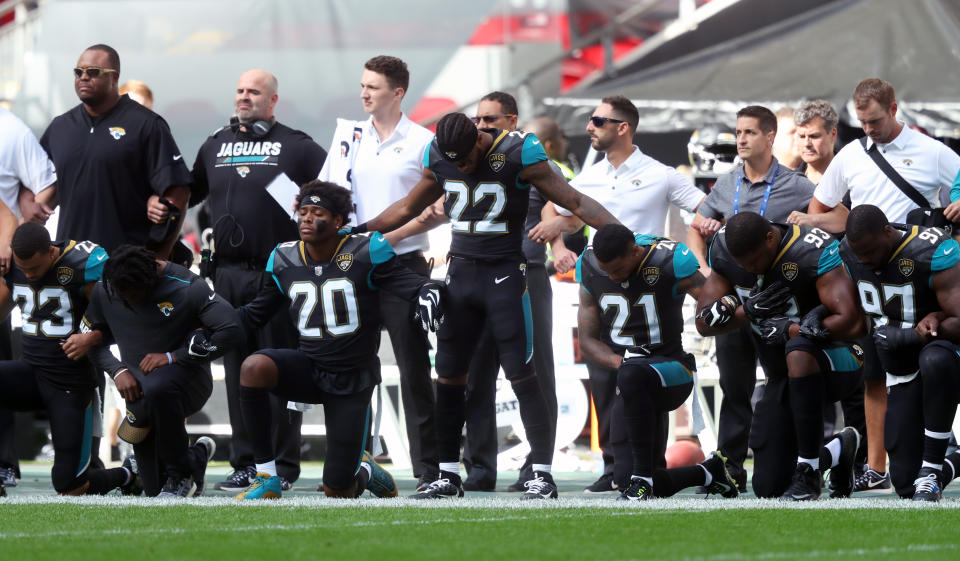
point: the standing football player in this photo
(631, 298)
(330, 281)
(486, 175)
(909, 285)
(803, 307)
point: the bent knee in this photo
(258, 371)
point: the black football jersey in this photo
(51, 309)
(803, 256)
(646, 309)
(900, 292)
(336, 304)
(487, 208)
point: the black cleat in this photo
(8, 476)
(927, 486)
(135, 485)
(540, 487)
(207, 448)
(723, 483)
(520, 485)
(238, 481)
(806, 485)
(842, 480)
(448, 485)
(871, 480)
(178, 488)
(605, 484)
(425, 480)
(638, 490)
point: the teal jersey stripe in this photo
(829, 258)
(684, 262)
(528, 326)
(532, 151)
(269, 269)
(94, 267)
(842, 360)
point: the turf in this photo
(489, 528)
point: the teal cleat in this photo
(264, 486)
(381, 483)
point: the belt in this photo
(487, 260)
(418, 255)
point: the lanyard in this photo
(766, 192)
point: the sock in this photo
(669, 482)
(542, 468)
(451, 410)
(450, 467)
(533, 414)
(269, 468)
(648, 480)
(950, 464)
(806, 403)
(707, 477)
(934, 447)
(812, 462)
(362, 478)
(833, 448)
(102, 481)
(257, 419)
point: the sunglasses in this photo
(490, 118)
(92, 71)
(600, 121)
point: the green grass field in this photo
(35, 524)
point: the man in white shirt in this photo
(926, 164)
(637, 190)
(380, 160)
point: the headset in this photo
(256, 129)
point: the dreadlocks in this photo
(130, 273)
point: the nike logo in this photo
(947, 251)
(212, 296)
(832, 251)
(875, 483)
(536, 142)
(177, 157)
(498, 280)
(801, 497)
(101, 257)
(685, 251)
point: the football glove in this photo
(720, 312)
(775, 330)
(429, 313)
(770, 302)
(888, 338)
(811, 326)
(199, 346)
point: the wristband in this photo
(169, 359)
(119, 372)
(360, 229)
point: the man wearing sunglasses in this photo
(638, 190)
(115, 161)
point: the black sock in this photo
(806, 403)
(102, 481)
(361, 479)
(533, 414)
(934, 449)
(950, 466)
(826, 460)
(668, 482)
(258, 420)
(451, 411)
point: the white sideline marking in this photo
(824, 553)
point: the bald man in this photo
(233, 170)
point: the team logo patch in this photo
(117, 132)
(344, 261)
(243, 171)
(318, 270)
(497, 161)
(789, 270)
(651, 275)
(452, 155)
(64, 275)
(398, 149)
(636, 182)
(131, 418)
(857, 351)
(166, 308)
(906, 266)
(523, 269)
(907, 162)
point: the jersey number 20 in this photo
(330, 291)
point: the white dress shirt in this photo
(22, 161)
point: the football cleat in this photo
(842, 480)
(806, 485)
(638, 490)
(263, 486)
(381, 483)
(520, 485)
(239, 480)
(135, 485)
(605, 484)
(723, 483)
(8, 477)
(540, 487)
(871, 480)
(284, 484)
(927, 486)
(425, 480)
(178, 488)
(207, 448)
(446, 486)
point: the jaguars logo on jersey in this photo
(651, 275)
(117, 132)
(906, 266)
(790, 270)
(344, 261)
(64, 275)
(497, 161)
(166, 308)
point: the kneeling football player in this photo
(631, 298)
(330, 282)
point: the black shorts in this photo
(843, 362)
(346, 416)
(71, 416)
(675, 376)
(492, 294)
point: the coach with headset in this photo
(241, 171)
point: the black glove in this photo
(429, 312)
(198, 346)
(775, 330)
(770, 302)
(888, 338)
(358, 229)
(811, 326)
(720, 312)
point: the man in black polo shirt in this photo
(115, 160)
(233, 170)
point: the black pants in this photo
(603, 390)
(737, 363)
(171, 393)
(480, 448)
(411, 348)
(8, 445)
(240, 285)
